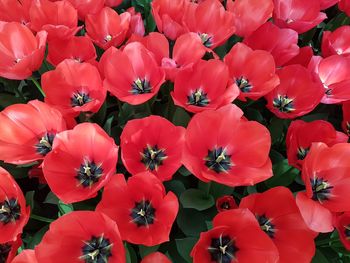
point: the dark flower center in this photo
(347, 231)
(10, 211)
(206, 39)
(348, 128)
(4, 252)
(198, 98)
(283, 103)
(328, 92)
(97, 250)
(243, 84)
(44, 146)
(301, 154)
(222, 249)
(152, 157)
(140, 86)
(89, 173)
(79, 99)
(225, 205)
(217, 160)
(143, 213)
(266, 225)
(321, 189)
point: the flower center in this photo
(89, 173)
(108, 38)
(222, 249)
(243, 84)
(143, 213)
(206, 39)
(301, 154)
(217, 160)
(198, 98)
(79, 99)
(152, 157)
(283, 103)
(10, 211)
(44, 146)
(321, 189)
(347, 231)
(140, 86)
(266, 225)
(96, 250)
(4, 251)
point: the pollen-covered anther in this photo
(321, 189)
(243, 84)
(222, 249)
(89, 173)
(141, 86)
(79, 99)
(153, 157)
(10, 211)
(218, 160)
(44, 146)
(283, 103)
(198, 98)
(143, 213)
(206, 39)
(96, 250)
(108, 38)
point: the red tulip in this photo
(303, 58)
(58, 19)
(226, 202)
(344, 5)
(155, 257)
(152, 144)
(168, 15)
(281, 43)
(81, 162)
(236, 237)
(74, 87)
(107, 28)
(346, 118)
(298, 93)
(15, 11)
(87, 7)
(253, 71)
(81, 236)
(336, 42)
(8, 250)
(204, 86)
(246, 22)
(215, 151)
(326, 174)
(302, 134)
(137, 26)
(279, 217)
(28, 131)
(132, 75)
(26, 256)
(80, 49)
(113, 3)
(342, 223)
(210, 21)
(14, 214)
(146, 214)
(21, 52)
(327, 3)
(298, 15)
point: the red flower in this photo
(113, 3)
(298, 93)
(302, 134)
(14, 214)
(303, 58)
(107, 28)
(204, 86)
(346, 118)
(327, 3)
(216, 151)
(86, 7)
(210, 21)
(80, 49)
(58, 19)
(281, 43)
(155, 257)
(342, 223)
(15, 11)
(168, 15)
(334, 73)
(257, 77)
(8, 250)
(246, 22)
(336, 42)
(152, 144)
(344, 5)
(137, 26)
(299, 15)
(81, 236)
(21, 52)
(26, 256)
(81, 162)
(146, 214)
(326, 174)
(28, 131)
(225, 202)
(236, 237)
(132, 75)
(74, 87)
(279, 217)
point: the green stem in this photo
(36, 83)
(326, 242)
(42, 219)
(148, 107)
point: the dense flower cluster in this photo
(179, 131)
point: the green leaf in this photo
(108, 124)
(30, 199)
(192, 222)
(181, 117)
(36, 239)
(144, 251)
(51, 198)
(283, 174)
(184, 247)
(183, 171)
(176, 186)
(131, 256)
(218, 190)
(197, 199)
(319, 257)
(64, 208)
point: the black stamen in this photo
(198, 98)
(45, 143)
(222, 249)
(96, 250)
(218, 161)
(143, 214)
(301, 154)
(347, 231)
(283, 103)
(320, 189)
(79, 99)
(266, 225)
(243, 84)
(140, 87)
(152, 157)
(10, 211)
(89, 173)
(206, 39)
